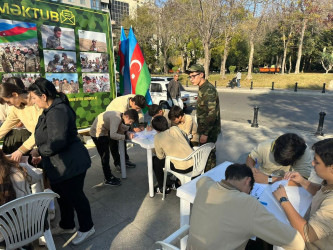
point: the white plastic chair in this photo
(199, 157)
(168, 243)
(22, 220)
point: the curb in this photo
(266, 91)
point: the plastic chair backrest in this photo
(22, 220)
(200, 157)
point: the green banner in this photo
(69, 45)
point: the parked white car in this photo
(158, 91)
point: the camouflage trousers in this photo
(212, 137)
(211, 162)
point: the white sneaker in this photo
(59, 231)
(80, 237)
(41, 241)
(51, 214)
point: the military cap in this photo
(195, 68)
(64, 54)
(87, 78)
(56, 56)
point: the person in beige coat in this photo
(111, 125)
(173, 142)
(186, 123)
(121, 104)
(224, 215)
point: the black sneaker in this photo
(160, 191)
(130, 164)
(114, 181)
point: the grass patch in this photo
(287, 81)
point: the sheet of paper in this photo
(298, 197)
(257, 190)
(145, 135)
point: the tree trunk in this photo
(207, 59)
(249, 71)
(289, 70)
(300, 46)
(184, 58)
(285, 50)
(165, 66)
(224, 57)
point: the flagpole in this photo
(114, 61)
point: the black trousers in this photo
(114, 147)
(73, 198)
(158, 166)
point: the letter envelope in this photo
(67, 17)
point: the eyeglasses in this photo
(193, 76)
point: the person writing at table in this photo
(14, 94)
(224, 215)
(172, 142)
(275, 157)
(108, 128)
(317, 228)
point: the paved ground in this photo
(126, 217)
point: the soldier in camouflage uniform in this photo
(7, 60)
(52, 66)
(65, 62)
(30, 61)
(53, 42)
(19, 61)
(66, 87)
(208, 111)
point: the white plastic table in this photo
(146, 140)
(298, 196)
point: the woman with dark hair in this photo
(65, 160)
(14, 94)
(14, 179)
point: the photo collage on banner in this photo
(18, 47)
(60, 58)
(69, 45)
(92, 59)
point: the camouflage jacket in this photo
(66, 88)
(53, 42)
(208, 110)
(52, 66)
(66, 62)
(7, 62)
(19, 61)
(31, 61)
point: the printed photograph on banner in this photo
(92, 41)
(94, 62)
(55, 37)
(66, 82)
(18, 47)
(93, 83)
(27, 78)
(59, 61)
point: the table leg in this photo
(150, 172)
(185, 210)
(122, 158)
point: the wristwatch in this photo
(282, 199)
(270, 180)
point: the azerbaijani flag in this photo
(121, 59)
(20, 31)
(138, 69)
